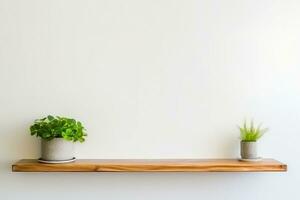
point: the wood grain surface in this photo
(151, 165)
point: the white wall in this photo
(151, 79)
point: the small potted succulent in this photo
(58, 135)
(249, 136)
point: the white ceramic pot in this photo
(248, 150)
(57, 149)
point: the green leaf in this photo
(50, 118)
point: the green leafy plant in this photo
(58, 127)
(251, 133)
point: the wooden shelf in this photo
(155, 165)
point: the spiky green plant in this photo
(251, 133)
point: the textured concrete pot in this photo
(248, 150)
(57, 149)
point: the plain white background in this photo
(151, 79)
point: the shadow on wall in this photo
(229, 146)
(224, 145)
(16, 143)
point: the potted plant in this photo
(249, 136)
(58, 135)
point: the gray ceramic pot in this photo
(57, 149)
(248, 150)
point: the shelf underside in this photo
(152, 165)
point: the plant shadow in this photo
(17, 144)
